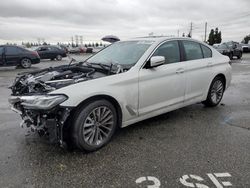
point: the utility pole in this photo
(191, 29)
(205, 39)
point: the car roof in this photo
(159, 39)
(7, 45)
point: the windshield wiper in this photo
(103, 66)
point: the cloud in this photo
(58, 20)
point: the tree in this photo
(211, 37)
(219, 37)
(96, 44)
(246, 39)
(183, 34)
(214, 37)
(28, 45)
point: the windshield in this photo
(223, 46)
(123, 53)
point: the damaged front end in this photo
(42, 114)
(41, 111)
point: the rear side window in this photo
(192, 50)
(170, 50)
(1, 50)
(12, 50)
(206, 51)
(55, 49)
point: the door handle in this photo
(210, 64)
(180, 70)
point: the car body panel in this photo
(50, 52)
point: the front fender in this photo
(122, 87)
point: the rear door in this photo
(199, 65)
(43, 52)
(12, 55)
(53, 52)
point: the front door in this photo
(162, 87)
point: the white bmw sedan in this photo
(82, 104)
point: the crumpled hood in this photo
(53, 78)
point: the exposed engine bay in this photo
(39, 110)
(49, 79)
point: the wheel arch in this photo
(25, 57)
(223, 77)
(109, 98)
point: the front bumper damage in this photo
(49, 122)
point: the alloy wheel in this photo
(98, 126)
(217, 91)
(26, 63)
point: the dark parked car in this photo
(13, 55)
(63, 47)
(230, 49)
(245, 47)
(51, 52)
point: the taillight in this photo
(35, 53)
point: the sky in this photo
(59, 20)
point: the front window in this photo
(169, 50)
(123, 53)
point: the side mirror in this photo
(156, 61)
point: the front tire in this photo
(215, 92)
(25, 63)
(240, 55)
(58, 57)
(94, 125)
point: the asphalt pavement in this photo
(191, 147)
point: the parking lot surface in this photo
(191, 147)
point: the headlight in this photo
(43, 102)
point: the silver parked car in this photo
(129, 81)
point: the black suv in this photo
(230, 49)
(51, 52)
(14, 55)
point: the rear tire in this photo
(94, 125)
(230, 56)
(215, 92)
(25, 63)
